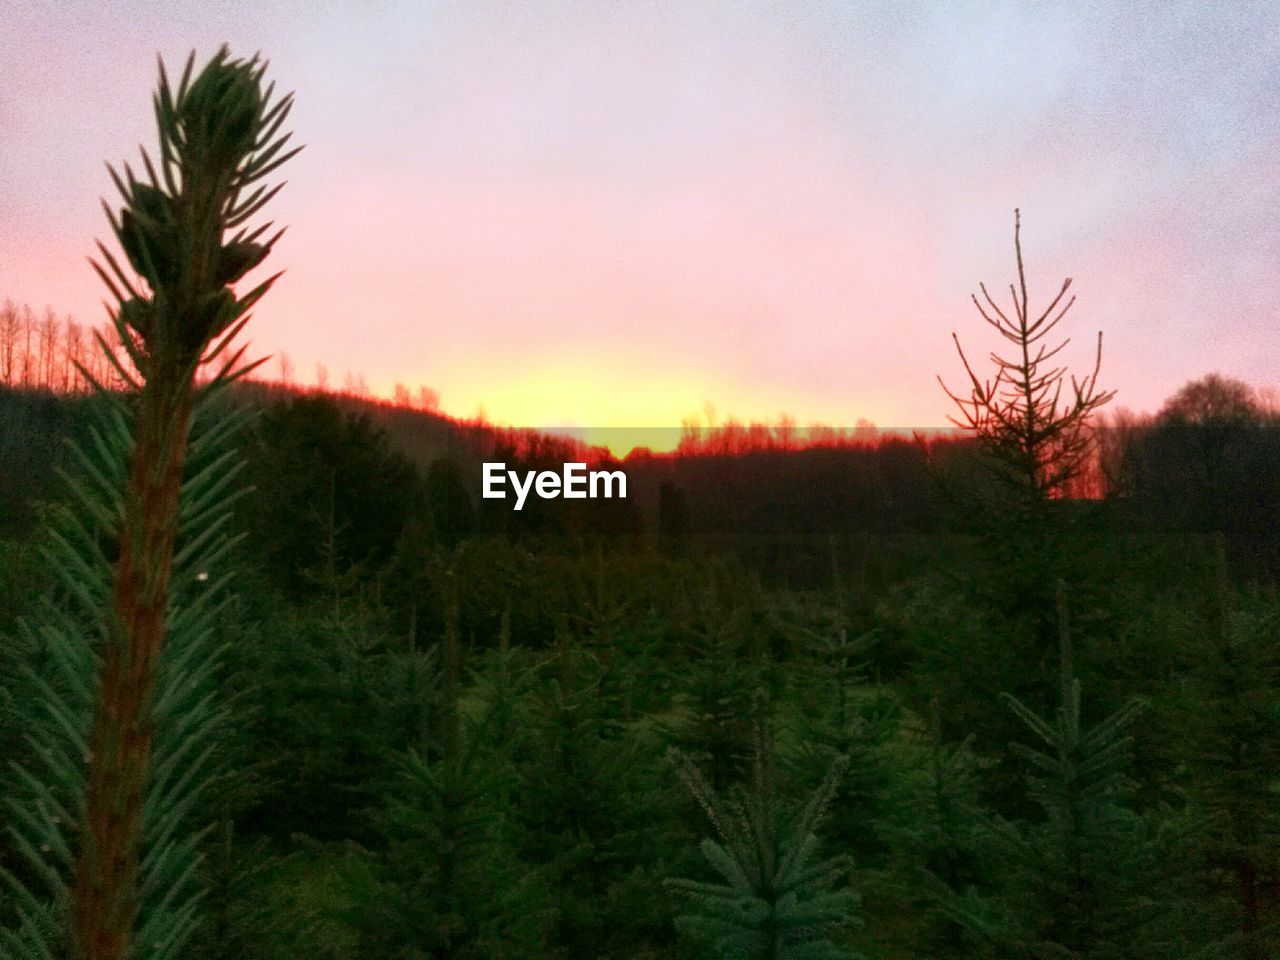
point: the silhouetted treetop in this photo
(1212, 399)
(1033, 429)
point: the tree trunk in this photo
(106, 882)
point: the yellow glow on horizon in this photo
(600, 405)
(605, 404)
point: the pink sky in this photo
(604, 214)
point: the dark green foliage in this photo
(1080, 878)
(941, 845)
(673, 520)
(593, 809)
(449, 883)
(33, 428)
(452, 513)
(1230, 717)
(775, 898)
(236, 919)
(721, 689)
(315, 707)
(343, 830)
(844, 719)
(452, 835)
(61, 641)
(334, 498)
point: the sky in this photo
(625, 213)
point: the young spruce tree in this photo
(118, 756)
(1036, 438)
(1230, 719)
(1082, 878)
(775, 899)
(1031, 421)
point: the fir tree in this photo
(720, 688)
(1036, 438)
(450, 884)
(845, 717)
(65, 640)
(1032, 424)
(775, 899)
(940, 842)
(128, 894)
(591, 807)
(1228, 712)
(1080, 879)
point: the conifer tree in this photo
(720, 687)
(120, 878)
(602, 621)
(1081, 878)
(940, 842)
(1035, 436)
(450, 883)
(62, 638)
(775, 899)
(1031, 421)
(590, 803)
(844, 717)
(1229, 713)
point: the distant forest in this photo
(1208, 460)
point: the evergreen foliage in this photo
(775, 899)
(943, 834)
(591, 807)
(442, 878)
(1079, 879)
(721, 690)
(1231, 748)
(65, 637)
(111, 805)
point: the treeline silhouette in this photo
(45, 352)
(1208, 460)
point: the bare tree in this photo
(72, 355)
(26, 328)
(786, 432)
(113, 355)
(286, 368)
(1037, 437)
(428, 399)
(47, 349)
(355, 385)
(10, 322)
